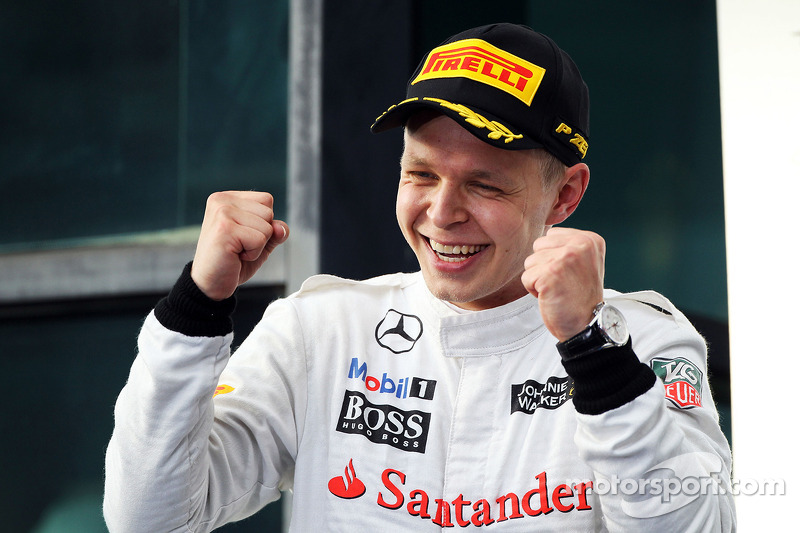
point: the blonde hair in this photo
(551, 167)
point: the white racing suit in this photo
(384, 409)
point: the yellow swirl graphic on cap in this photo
(496, 129)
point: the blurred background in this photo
(117, 119)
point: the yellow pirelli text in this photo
(480, 61)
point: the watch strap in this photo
(587, 341)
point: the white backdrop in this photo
(759, 51)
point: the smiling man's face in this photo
(470, 211)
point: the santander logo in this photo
(347, 486)
(543, 497)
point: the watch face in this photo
(613, 323)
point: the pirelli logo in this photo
(480, 61)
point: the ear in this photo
(569, 192)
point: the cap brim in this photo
(478, 122)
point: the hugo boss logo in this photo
(398, 332)
(384, 424)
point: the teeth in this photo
(455, 250)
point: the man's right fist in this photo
(237, 235)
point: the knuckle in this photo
(263, 198)
(213, 199)
(597, 241)
(261, 238)
(225, 211)
(218, 203)
(219, 196)
(590, 243)
(226, 226)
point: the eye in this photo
(487, 188)
(420, 176)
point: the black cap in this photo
(508, 85)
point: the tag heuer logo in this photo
(683, 381)
(398, 332)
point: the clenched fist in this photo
(238, 234)
(565, 272)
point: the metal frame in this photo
(110, 267)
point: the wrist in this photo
(188, 310)
(606, 329)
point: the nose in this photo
(447, 205)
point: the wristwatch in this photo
(607, 329)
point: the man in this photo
(499, 387)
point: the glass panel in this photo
(64, 365)
(655, 150)
(121, 117)
(235, 102)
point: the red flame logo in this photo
(347, 486)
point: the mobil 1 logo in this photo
(398, 387)
(384, 424)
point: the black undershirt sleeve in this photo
(608, 378)
(188, 311)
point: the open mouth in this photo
(455, 253)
